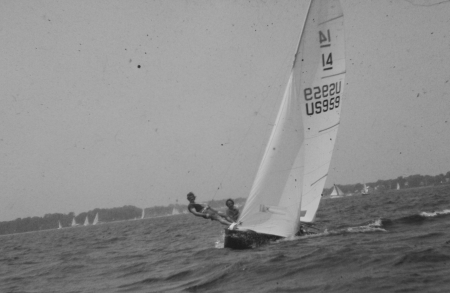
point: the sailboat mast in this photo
(297, 51)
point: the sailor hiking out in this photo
(205, 211)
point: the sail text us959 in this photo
(320, 99)
(324, 96)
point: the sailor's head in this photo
(191, 196)
(229, 203)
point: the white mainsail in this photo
(292, 173)
(74, 223)
(59, 225)
(143, 213)
(398, 186)
(95, 220)
(86, 221)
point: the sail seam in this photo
(319, 179)
(330, 127)
(334, 74)
(332, 19)
(312, 171)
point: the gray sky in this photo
(107, 103)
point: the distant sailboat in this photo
(336, 192)
(175, 210)
(59, 225)
(95, 220)
(74, 223)
(143, 213)
(288, 185)
(398, 186)
(365, 190)
(86, 221)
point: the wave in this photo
(415, 219)
(434, 214)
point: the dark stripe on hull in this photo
(236, 239)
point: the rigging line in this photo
(236, 154)
(240, 144)
(277, 100)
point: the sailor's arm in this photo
(192, 210)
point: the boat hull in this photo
(236, 239)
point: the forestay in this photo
(292, 174)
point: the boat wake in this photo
(295, 238)
(376, 226)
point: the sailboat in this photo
(175, 210)
(143, 213)
(365, 190)
(398, 186)
(336, 192)
(59, 225)
(74, 223)
(95, 220)
(86, 221)
(287, 188)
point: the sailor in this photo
(232, 212)
(205, 211)
(301, 231)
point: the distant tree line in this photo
(51, 221)
(128, 212)
(382, 186)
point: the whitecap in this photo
(434, 214)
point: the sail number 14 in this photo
(320, 99)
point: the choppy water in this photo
(397, 242)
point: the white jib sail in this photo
(290, 179)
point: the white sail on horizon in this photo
(336, 192)
(86, 221)
(95, 220)
(365, 190)
(292, 173)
